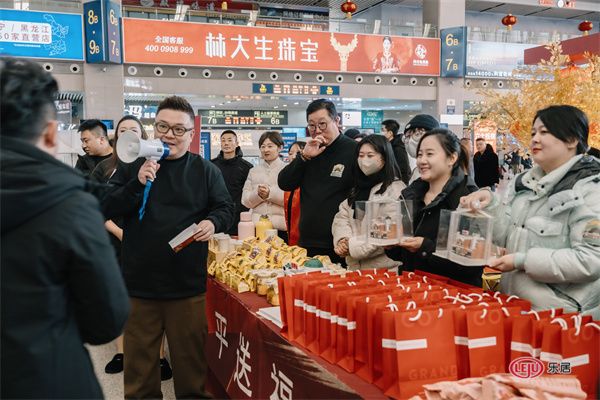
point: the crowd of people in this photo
(96, 263)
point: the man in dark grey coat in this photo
(61, 284)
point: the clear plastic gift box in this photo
(386, 222)
(469, 237)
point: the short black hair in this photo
(299, 143)
(95, 126)
(229, 132)
(479, 139)
(391, 125)
(322, 104)
(273, 136)
(566, 123)
(176, 103)
(27, 95)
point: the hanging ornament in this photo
(224, 5)
(585, 27)
(349, 8)
(509, 20)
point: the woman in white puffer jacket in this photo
(261, 193)
(376, 178)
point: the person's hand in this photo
(504, 264)
(477, 200)
(204, 231)
(412, 244)
(148, 171)
(263, 191)
(314, 147)
(341, 249)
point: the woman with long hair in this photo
(442, 162)
(549, 222)
(376, 177)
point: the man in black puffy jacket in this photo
(390, 128)
(485, 163)
(61, 284)
(235, 171)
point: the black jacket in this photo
(235, 171)
(324, 182)
(487, 169)
(186, 191)
(426, 221)
(61, 285)
(86, 163)
(401, 158)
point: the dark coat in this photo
(487, 169)
(426, 220)
(401, 158)
(61, 284)
(235, 171)
(86, 163)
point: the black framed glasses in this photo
(178, 130)
(321, 125)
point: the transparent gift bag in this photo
(470, 237)
(387, 221)
(441, 246)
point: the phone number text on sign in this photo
(155, 48)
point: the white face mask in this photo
(369, 166)
(411, 147)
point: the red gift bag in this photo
(581, 355)
(422, 336)
(485, 329)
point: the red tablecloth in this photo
(251, 359)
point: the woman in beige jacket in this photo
(261, 193)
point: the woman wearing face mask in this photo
(441, 162)
(102, 173)
(413, 131)
(550, 221)
(376, 177)
(261, 193)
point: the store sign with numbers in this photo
(102, 20)
(184, 43)
(46, 35)
(454, 52)
(243, 117)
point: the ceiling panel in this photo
(480, 5)
(568, 14)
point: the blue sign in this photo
(371, 119)
(102, 20)
(454, 52)
(35, 34)
(262, 88)
(330, 90)
(288, 140)
(295, 89)
(205, 145)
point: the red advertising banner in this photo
(185, 43)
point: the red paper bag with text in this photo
(461, 340)
(421, 337)
(298, 290)
(485, 329)
(388, 381)
(581, 355)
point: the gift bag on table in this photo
(422, 336)
(580, 351)
(526, 334)
(486, 341)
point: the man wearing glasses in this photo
(413, 131)
(167, 289)
(323, 172)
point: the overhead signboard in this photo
(47, 35)
(371, 119)
(102, 20)
(454, 52)
(183, 43)
(495, 60)
(243, 117)
(295, 89)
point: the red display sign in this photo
(184, 43)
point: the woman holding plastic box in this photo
(376, 177)
(549, 222)
(261, 192)
(441, 161)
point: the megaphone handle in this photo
(142, 210)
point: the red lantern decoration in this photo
(224, 5)
(509, 20)
(586, 27)
(349, 8)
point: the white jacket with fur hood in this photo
(363, 255)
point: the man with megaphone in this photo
(162, 189)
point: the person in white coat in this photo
(550, 220)
(377, 177)
(261, 193)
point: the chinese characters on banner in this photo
(177, 43)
